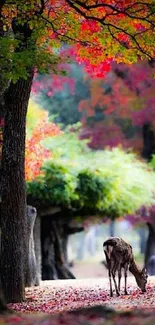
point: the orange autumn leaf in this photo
(35, 152)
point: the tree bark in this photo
(150, 250)
(13, 206)
(4, 82)
(3, 306)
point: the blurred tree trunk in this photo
(49, 271)
(150, 249)
(148, 151)
(54, 241)
(60, 233)
(148, 141)
(37, 248)
(143, 238)
(32, 274)
(112, 228)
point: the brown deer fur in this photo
(119, 256)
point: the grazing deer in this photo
(119, 255)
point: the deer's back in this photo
(117, 249)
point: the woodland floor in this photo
(58, 297)
(66, 295)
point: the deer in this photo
(119, 256)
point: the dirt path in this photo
(88, 269)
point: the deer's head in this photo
(142, 279)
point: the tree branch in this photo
(83, 8)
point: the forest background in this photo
(25, 29)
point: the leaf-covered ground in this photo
(66, 295)
(54, 297)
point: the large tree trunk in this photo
(54, 239)
(4, 81)
(3, 306)
(150, 250)
(14, 247)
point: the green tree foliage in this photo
(111, 183)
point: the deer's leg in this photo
(119, 278)
(111, 292)
(109, 273)
(114, 269)
(125, 278)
